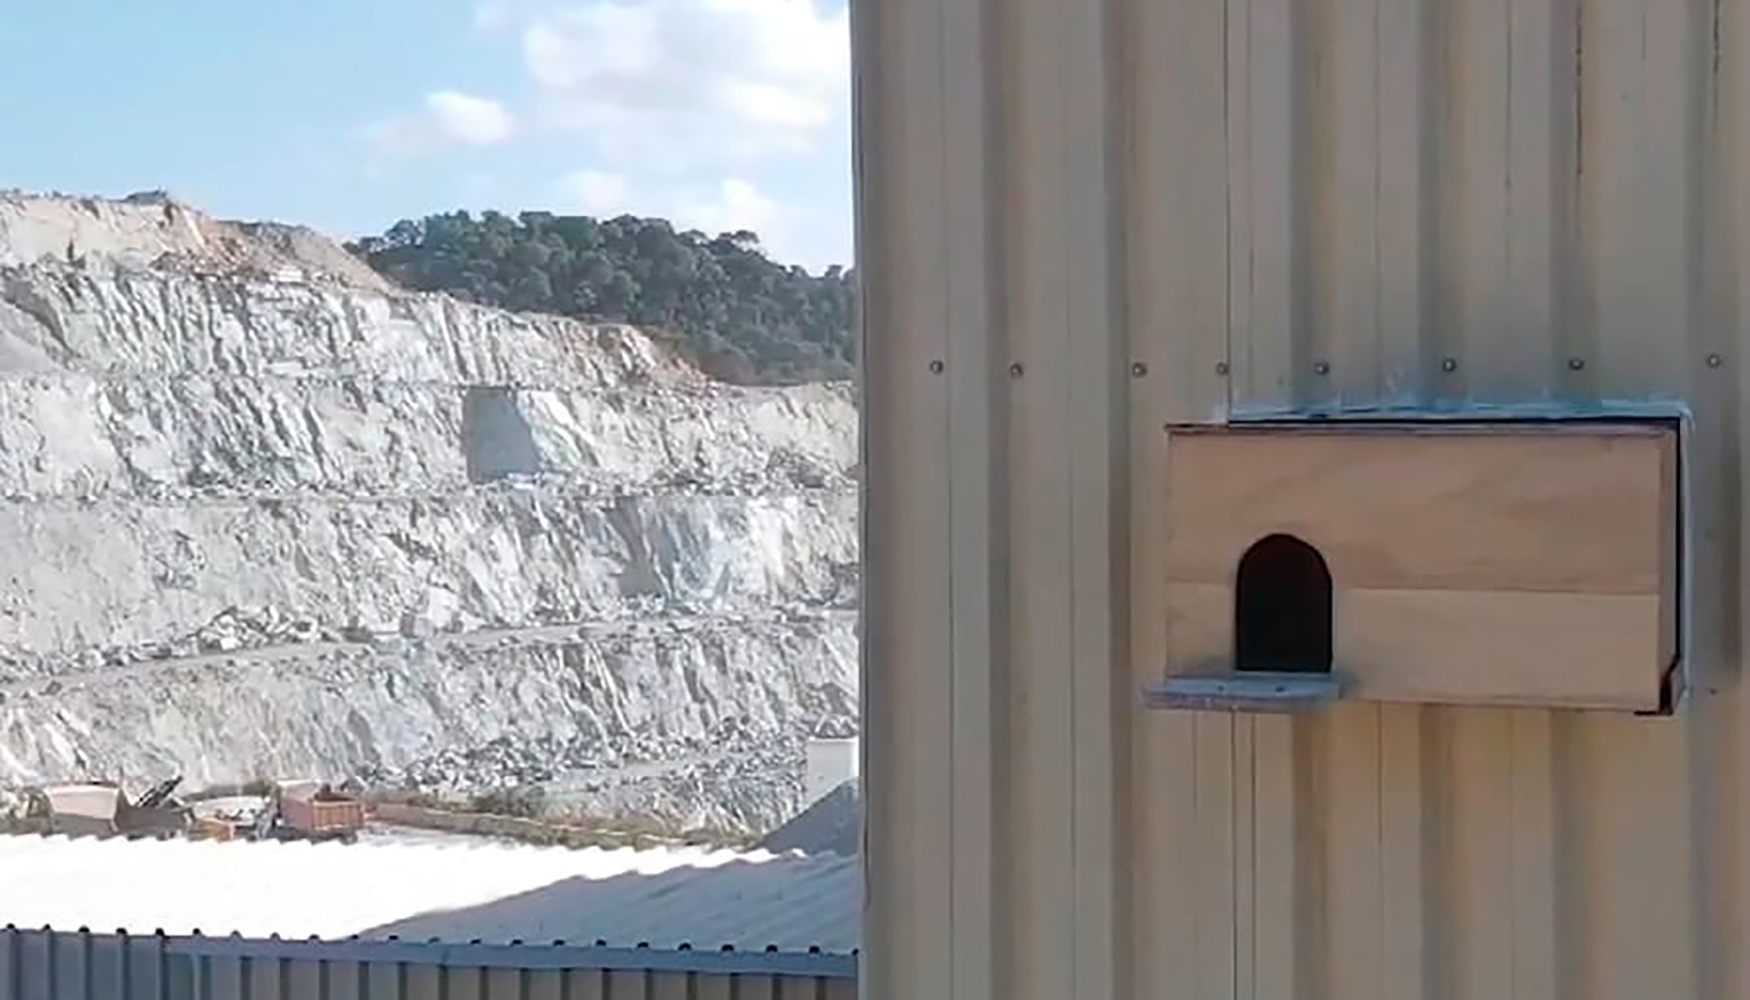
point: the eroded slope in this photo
(261, 514)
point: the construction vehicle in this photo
(310, 810)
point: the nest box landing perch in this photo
(1530, 563)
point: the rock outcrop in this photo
(262, 514)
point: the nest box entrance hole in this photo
(1282, 608)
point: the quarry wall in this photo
(261, 514)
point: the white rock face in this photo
(262, 515)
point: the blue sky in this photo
(719, 114)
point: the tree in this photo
(741, 316)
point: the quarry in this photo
(264, 514)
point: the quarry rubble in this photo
(263, 514)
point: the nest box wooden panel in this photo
(1528, 564)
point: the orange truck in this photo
(309, 809)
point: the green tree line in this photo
(737, 313)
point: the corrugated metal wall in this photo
(56, 965)
(1080, 221)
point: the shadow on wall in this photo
(497, 440)
(792, 903)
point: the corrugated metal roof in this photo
(52, 965)
(663, 898)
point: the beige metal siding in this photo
(54, 965)
(1081, 221)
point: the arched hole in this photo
(1282, 608)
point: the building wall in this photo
(1078, 222)
(828, 763)
(63, 965)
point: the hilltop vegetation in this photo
(740, 315)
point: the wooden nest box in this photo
(1501, 563)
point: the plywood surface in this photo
(1520, 568)
(1470, 647)
(1551, 511)
(1199, 624)
(1580, 650)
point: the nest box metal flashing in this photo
(1511, 562)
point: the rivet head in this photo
(1016, 371)
(1449, 364)
(936, 367)
(1221, 368)
(1714, 361)
(1322, 367)
(1138, 369)
(1576, 364)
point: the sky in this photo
(348, 116)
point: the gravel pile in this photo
(734, 780)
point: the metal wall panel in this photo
(78, 965)
(1080, 221)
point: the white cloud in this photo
(478, 121)
(727, 114)
(449, 117)
(677, 80)
(737, 205)
(493, 15)
(571, 47)
(728, 205)
(725, 206)
(716, 114)
(480, 187)
(596, 192)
